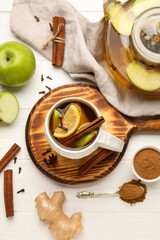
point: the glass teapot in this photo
(133, 43)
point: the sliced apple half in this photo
(9, 107)
(85, 139)
(121, 19)
(140, 6)
(147, 80)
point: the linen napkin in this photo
(84, 49)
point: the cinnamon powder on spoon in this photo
(133, 192)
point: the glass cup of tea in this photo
(66, 118)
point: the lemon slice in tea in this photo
(70, 121)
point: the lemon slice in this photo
(70, 121)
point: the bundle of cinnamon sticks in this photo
(58, 40)
(58, 46)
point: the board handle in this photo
(149, 125)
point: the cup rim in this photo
(48, 116)
(133, 169)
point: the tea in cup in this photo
(74, 129)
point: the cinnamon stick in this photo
(95, 160)
(8, 156)
(8, 193)
(54, 51)
(58, 47)
(83, 131)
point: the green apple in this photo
(9, 107)
(17, 64)
(85, 139)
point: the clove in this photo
(49, 77)
(37, 19)
(20, 169)
(64, 128)
(48, 88)
(51, 27)
(47, 151)
(42, 78)
(42, 92)
(22, 190)
(15, 159)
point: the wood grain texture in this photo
(66, 170)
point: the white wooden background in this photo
(103, 218)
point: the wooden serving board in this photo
(66, 170)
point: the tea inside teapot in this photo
(133, 43)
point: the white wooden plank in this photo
(35, 183)
(101, 226)
(4, 19)
(103, 218)
(82, 5)
(5, 5)
(93, 16)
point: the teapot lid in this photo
(146, 35)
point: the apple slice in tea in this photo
(9, 107)
(143, 78)
(55, 120)
(121, 19)
(83, 141)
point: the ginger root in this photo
(62, 227)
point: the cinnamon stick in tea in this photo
(58, 46)
(103, 154)
(8, 156)
(8, 193)
(83, 131)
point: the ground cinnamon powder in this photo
(131, 192)
(147, 163)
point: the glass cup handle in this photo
(110, 142)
